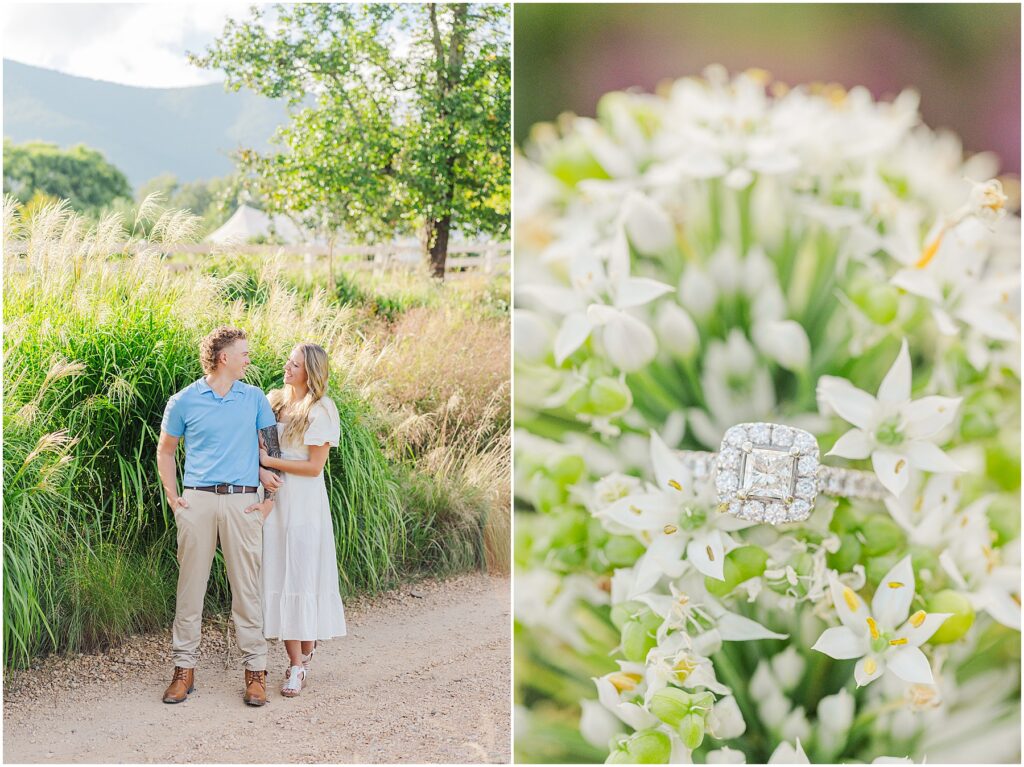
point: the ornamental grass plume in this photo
(727, 251)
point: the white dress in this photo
(300, 566)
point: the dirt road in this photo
(423, 676)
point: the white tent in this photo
(247, 223)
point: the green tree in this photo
(400, 116)
(80, 175)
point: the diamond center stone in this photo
(768, 474)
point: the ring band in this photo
(771, 473)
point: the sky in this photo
(140, 44)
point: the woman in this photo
(301, 602)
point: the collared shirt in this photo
(221, 445)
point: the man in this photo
(219, 417)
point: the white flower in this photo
(987, 200)
(673, 518)
(676, 330)
(784, 341)
(872, 636)
(925, 508)
(533, 335)
(895, 431)
(648, 226)
(617, 691)
(600, 298)
(787, 754)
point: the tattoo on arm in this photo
(274, 451)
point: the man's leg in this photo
(241, 540)
(197, 542)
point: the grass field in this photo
(96, 341)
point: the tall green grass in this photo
(97, 340)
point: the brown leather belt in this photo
(224, 489)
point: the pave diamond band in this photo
(771, 473)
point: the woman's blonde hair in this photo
(317, 372)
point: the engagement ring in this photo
(770, 473)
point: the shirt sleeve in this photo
(265, 417)
(174, 417)
(324, 424)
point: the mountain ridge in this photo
(188, 131)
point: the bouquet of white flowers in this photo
(737, 266)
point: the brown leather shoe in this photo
(255, 687)
(181, 685)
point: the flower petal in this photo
(637, 291)
(553, 298)
(664, 557)
(853, 405)
(736, 628)
(927, 416)
(928, 457)
(927, 624)
(910, 665)
(669, 472)
(841, 643)
(861, 673)
(892, 470)
(574, 331)
(850, 608)
(787, 754)
(891, 603)
(707, 554)
(895, 388)
(629, 343)
(854, 444)
(643, 511)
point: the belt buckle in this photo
(219, 491)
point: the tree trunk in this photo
(437, 244)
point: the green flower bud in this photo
(569, 528)
(741, 564)
(579, 401)
(566, 469)
(637, 641)
(670, 705)
(881, 534)
(880, 303)
(957, 624)
(623, 551)
(1004, 518)
(847, 555)
(979, 415)
(547, 493)
(623, 612)
(1002, 463)
(609, 396)
(691, 730)
(923, 558)
(844, 520)
(644, 747)
(573, 162)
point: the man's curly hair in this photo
(219, 340)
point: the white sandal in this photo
(307, 658)
(294, 681)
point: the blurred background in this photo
(964, 59)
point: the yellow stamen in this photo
(851, 599)
(711, 554)
(873, 627)
(901, 640)
(899, 465)
(623, 681)
(683, 668)
(669, 529)
(917, 618)
(636, 510)
(870, 666)
(929, 252)
(675, 485)
(895, 585)
(722, 508)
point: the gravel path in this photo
(423, 676)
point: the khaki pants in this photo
(241, 539)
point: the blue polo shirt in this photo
(221, 445)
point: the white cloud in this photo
(131, 43)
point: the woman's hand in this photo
(263, 508)
(264, 455)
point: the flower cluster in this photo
(733, 250)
